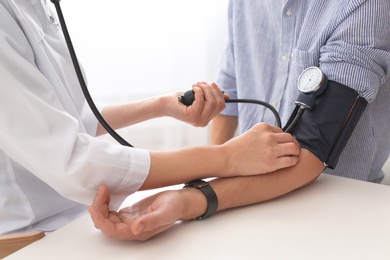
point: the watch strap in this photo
(209, 193)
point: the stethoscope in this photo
(311, 83)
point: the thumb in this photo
(102, 200)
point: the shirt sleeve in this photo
(357, 53)
(226, 76)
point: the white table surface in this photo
(334, 218)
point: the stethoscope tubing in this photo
(80, 77)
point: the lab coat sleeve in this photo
(88, 118)
(39, 134)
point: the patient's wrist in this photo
(209, 195)
(194, 203)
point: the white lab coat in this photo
(50, 163)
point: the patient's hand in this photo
(142, 220)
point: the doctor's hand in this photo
(209, 102)
(144, 219)
(263, 148)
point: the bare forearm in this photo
(122, 115)
(182, 165)
(209, 101)
(222, 129)
(262, 149)
(240, 191)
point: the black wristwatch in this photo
(211, 197)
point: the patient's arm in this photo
(157, 213)
(260, 188)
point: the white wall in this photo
(142, 48)
(138, 49)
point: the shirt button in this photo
(289, 12)
(274, 103)
(284, 58)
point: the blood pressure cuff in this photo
(325, 129)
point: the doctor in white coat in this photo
(52, 163)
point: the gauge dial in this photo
(310, 80)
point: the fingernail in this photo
(100, 190)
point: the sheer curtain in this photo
(138, 49)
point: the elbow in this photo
(310, 166)
(304, 173)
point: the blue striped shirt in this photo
(272, 42)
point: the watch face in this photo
(310, 80)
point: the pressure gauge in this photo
(311, 80)
(311, 83)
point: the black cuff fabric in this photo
(325, 129)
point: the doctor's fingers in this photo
(286, 138)
(213, 93)
(287, 149)
(285, 161)
(111, 225)
(200, 111)
(214, 102)
(102, 200)
(278, 133)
